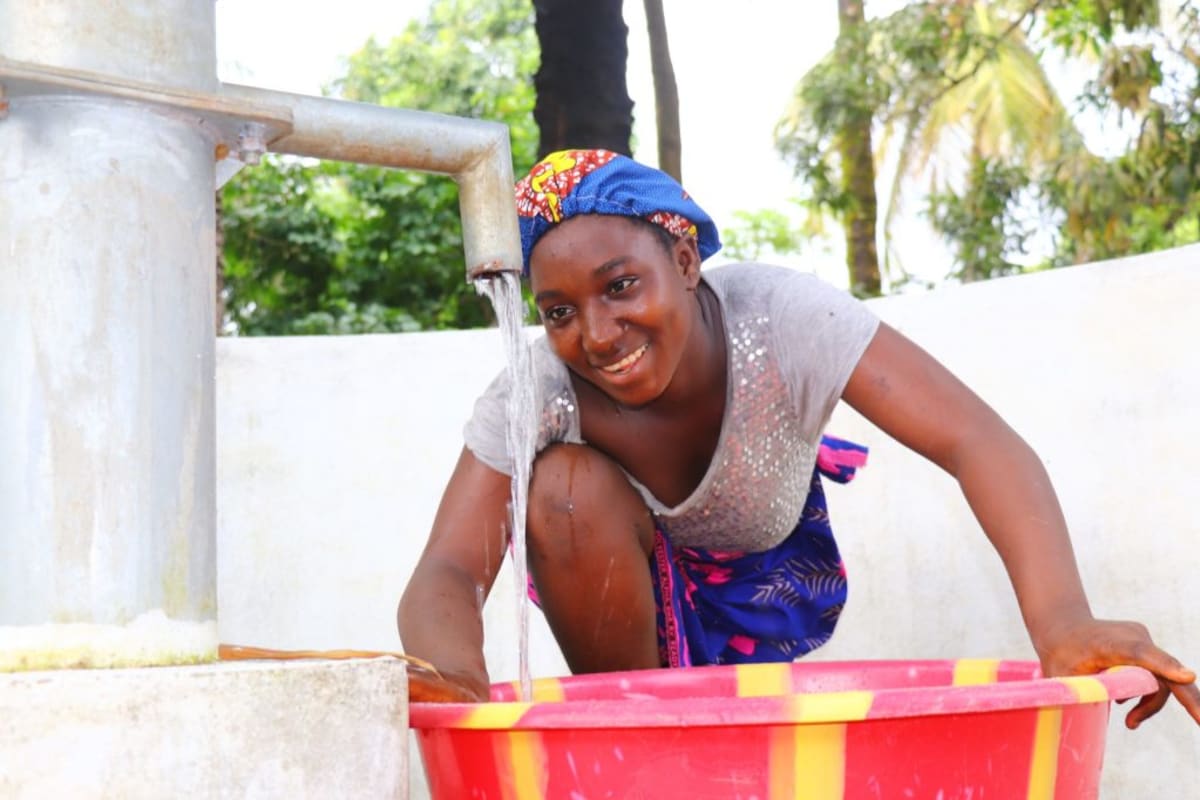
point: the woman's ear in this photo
(687, 260)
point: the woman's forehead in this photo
(591, 225)
(587, 237)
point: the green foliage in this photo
(281, 247)
(755, 234)
(950, 83)
(1145, 198)
(982, 221)
(470, 58)
(342, 248)
(1088, 26)
(846, 86)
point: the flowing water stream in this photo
(504, 291)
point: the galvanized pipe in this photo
(475, 153)
(166, 42)
(107, 253)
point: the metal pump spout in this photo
(475, 153)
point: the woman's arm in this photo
(911, 397)
(441, 612)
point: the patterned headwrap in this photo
(573, 182)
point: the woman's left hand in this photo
(1093, 645)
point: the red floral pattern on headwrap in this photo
(553, 178)
(676, 224)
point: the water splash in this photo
(504, 291)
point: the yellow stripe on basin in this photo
(975, 671)
(1086, 689)
(805, 761)
(545, 690)
(1043, 768)
(549, 690)
(520, 758)
(495, 716)
(808, 762)
(764, 680)
(830, 706)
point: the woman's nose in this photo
(600, 332)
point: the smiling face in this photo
(618, 303)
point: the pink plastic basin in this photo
(870, 729)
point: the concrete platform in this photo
(254, 729)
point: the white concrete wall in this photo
(332, 453)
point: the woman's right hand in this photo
(440, 617)
(427, 685)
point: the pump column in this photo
(107, 257)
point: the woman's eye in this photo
(620, 285)
(556, 314)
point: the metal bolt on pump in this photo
(251, 144)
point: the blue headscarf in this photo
(572, 182)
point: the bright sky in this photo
(735, 70)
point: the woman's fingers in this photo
(1148, 706)
(1184, 690)
(1144, 653)
(1188, 695)
(1173, 678)
(429, 687)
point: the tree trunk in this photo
(666, 94)
(582, 98)
(858, 170)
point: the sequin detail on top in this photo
(762, 454)
(558, 418)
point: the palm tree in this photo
(858, 170)
(956, 80)
(995, 105)
(827, 134)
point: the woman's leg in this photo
(590, 539)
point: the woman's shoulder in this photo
(749, 287)
(757, 274)
(548, 369)
(486, 431)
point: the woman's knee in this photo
(577, 488)
(573, 478)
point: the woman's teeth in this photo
(626, 362)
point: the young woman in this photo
(675, 509)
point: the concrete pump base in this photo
(254, 729)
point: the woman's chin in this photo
(635, 396)
(629, 395)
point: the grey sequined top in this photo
(793, 342)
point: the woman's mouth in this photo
(627, 363)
